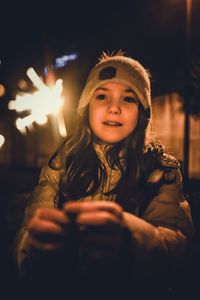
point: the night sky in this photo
(152, 31)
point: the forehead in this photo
(113, 86)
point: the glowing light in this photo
(61, 61)
(22, 84)
(61, 126)
(2, 140)
(41, 120)
(45, 101)
(2, 90)
(36, 80)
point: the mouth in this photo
(112, 123)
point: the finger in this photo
(38, 227)
(103, 218)
(77, 207)
(52, 214)
(42, 246)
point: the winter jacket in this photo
(154, 244)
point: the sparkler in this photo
(46, 101)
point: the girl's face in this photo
(113, 112)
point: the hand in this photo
(100, 226)
(48, 229)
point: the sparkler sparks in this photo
(46, 101)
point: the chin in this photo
(112, 141)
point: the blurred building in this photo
(168, 124)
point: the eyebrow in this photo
(101, 88)
(130, 91)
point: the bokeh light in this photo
(22, 84)
(2, 90)
(2, 140)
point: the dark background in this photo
(152, 31)
(34, 33)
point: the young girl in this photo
(108, 213)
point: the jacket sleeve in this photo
(159, 239)
(43, 195)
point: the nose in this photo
(114, 107)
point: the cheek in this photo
(93, 116)
(133, 117)
(95, 112)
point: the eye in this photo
(101, 97)
(130, 99)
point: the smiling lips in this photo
(112, 123)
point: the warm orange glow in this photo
(2, 90)
(61, 125)
(168, 125)
(188, 12)
(22, 84)
(50, 79)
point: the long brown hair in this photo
(84, 173)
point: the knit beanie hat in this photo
(120, 69)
